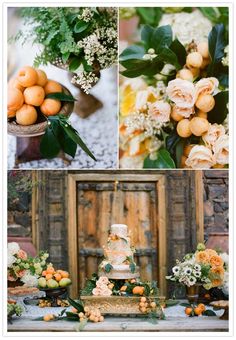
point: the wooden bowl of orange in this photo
(27, 107)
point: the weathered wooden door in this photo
(116, 199)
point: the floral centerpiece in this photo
(174, 113)
(82, 40)
(23, 268)
(205, 267)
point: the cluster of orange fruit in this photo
(93, 315)
(195, 311)
(146, 306)
(52, 278)
(49, 317)
(26, 93)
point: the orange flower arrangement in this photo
(202, 257)
(216, 261)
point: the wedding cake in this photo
(118, 260)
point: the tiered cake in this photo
(118, 260)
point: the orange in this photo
(188, 310)
(27, 76)
(198, 126)
(14, 83)
(50, 270)
(205, 102)
(26, 115)
(15, 99)
(52, 87)
(48, 276)
(47, 317)
(138, 290)
(50, 107)
(11, 114)
(42, 78)
(183, 128)
(175, 115)
(198, 311)
(57, 277)
(44, 273)
(202, 114)
(202, 307)
(64, 274)
(34, 95)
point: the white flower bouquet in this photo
(22, 267)
(174, 100)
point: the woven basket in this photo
(39, 128)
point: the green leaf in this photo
(170, 303)
(61, 96)
(216, 43)
(65, 57)
(209, 312)
(132, 52)
(132, 267)
(185, 304)
(149, 15)
(220, 111)
(68, 145)
(73, 134)
(162, 37)
(74, 64)
(49, 145)
(108, 267)
(71, 315)
(146, 36)
(163, 161)
(169, 57)
(179, 50)
(81, 26)
(76, 304)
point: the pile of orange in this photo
(26, 96)
(52, 278)
(195, 311)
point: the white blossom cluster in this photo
(85, 80)
(225, 59)
(86, 15)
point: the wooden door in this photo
(98, 203)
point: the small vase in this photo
(192, 292)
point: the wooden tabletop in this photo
(180, 324)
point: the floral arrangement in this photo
(205, 266)
(82, 40)
(22, 267)
(13, 309)
(174, 113)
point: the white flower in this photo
(200, 157)
(197, 267)
(181, 92)
(192, 280)
(176, 270)
(188, 271)
(196, 273)
(30, 280)
(225, 258)
(13, 248)
(213, 133)
(10, 260)
(221, 150)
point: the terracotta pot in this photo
(218, 240)
(192, 292)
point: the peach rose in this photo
(181, 92)
(216, 261)
(21, 273)
(206, 85)
(221, 149)
(103, 280)
(96, 291)
(186, 112)
(213, 133)
(211, 252)
(160, 111)
(218, 270)
(217, 283)
(22, 254)
(202, 257)
(200, 157)
(106, 292)
(10, 277)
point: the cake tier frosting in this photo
(119, 255)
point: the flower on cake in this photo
(102, 287)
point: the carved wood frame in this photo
(72, 219)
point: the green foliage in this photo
(217, 15)
(132, 267)
(76, 304)
(60, 135)
(108, 267)
(220, 110)
(89, 285)
(149, 15)
(163, 161)
(167, 51)
(61, 96)
(209, 312)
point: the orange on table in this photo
(52, 87)
(14, 83)
(42, 77)
(50, 107)
(202, 307)
(198, 311)
(48, 276)
(188, 310)
(138, 290)
(27, 76)
(15, 99)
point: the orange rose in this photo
(211, 252)
(217, 283)
(216, 261)
(218, 270)
(202, 257)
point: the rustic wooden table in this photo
(171, 324)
